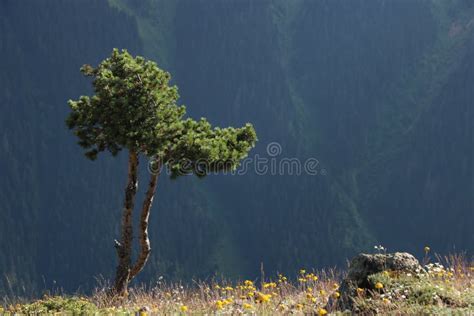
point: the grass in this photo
(436, 289)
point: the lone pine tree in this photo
(134, 108)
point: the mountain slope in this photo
(378, 92)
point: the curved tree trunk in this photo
(145, 248)
(124, 246)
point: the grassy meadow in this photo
(444, 286)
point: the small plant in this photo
(57, 304)
(380, 249)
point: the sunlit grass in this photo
(436, 289)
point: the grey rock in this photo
(364, 265)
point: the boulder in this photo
(364, 265)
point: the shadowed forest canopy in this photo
(379, 92)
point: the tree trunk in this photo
(124, 247)
(145, 248)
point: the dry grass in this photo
(311, 292)
(445, 287)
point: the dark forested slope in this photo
(379, 92)
(51, 198)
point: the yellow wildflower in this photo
(378, 285)
(269, 285)
(263, 298)
(335, 286)
(183, 308)
(336, 294)
(427, 249)
(248, 283)
(311, 276)
(322, 312)
(299, 306)
(322, 292)
(360, 291)
(229, 288)
(247, 306)
(219, 304)
(385, 300)
(302, 271)
(302, 280)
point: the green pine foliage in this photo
(134, 107)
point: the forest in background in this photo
(379, 92)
